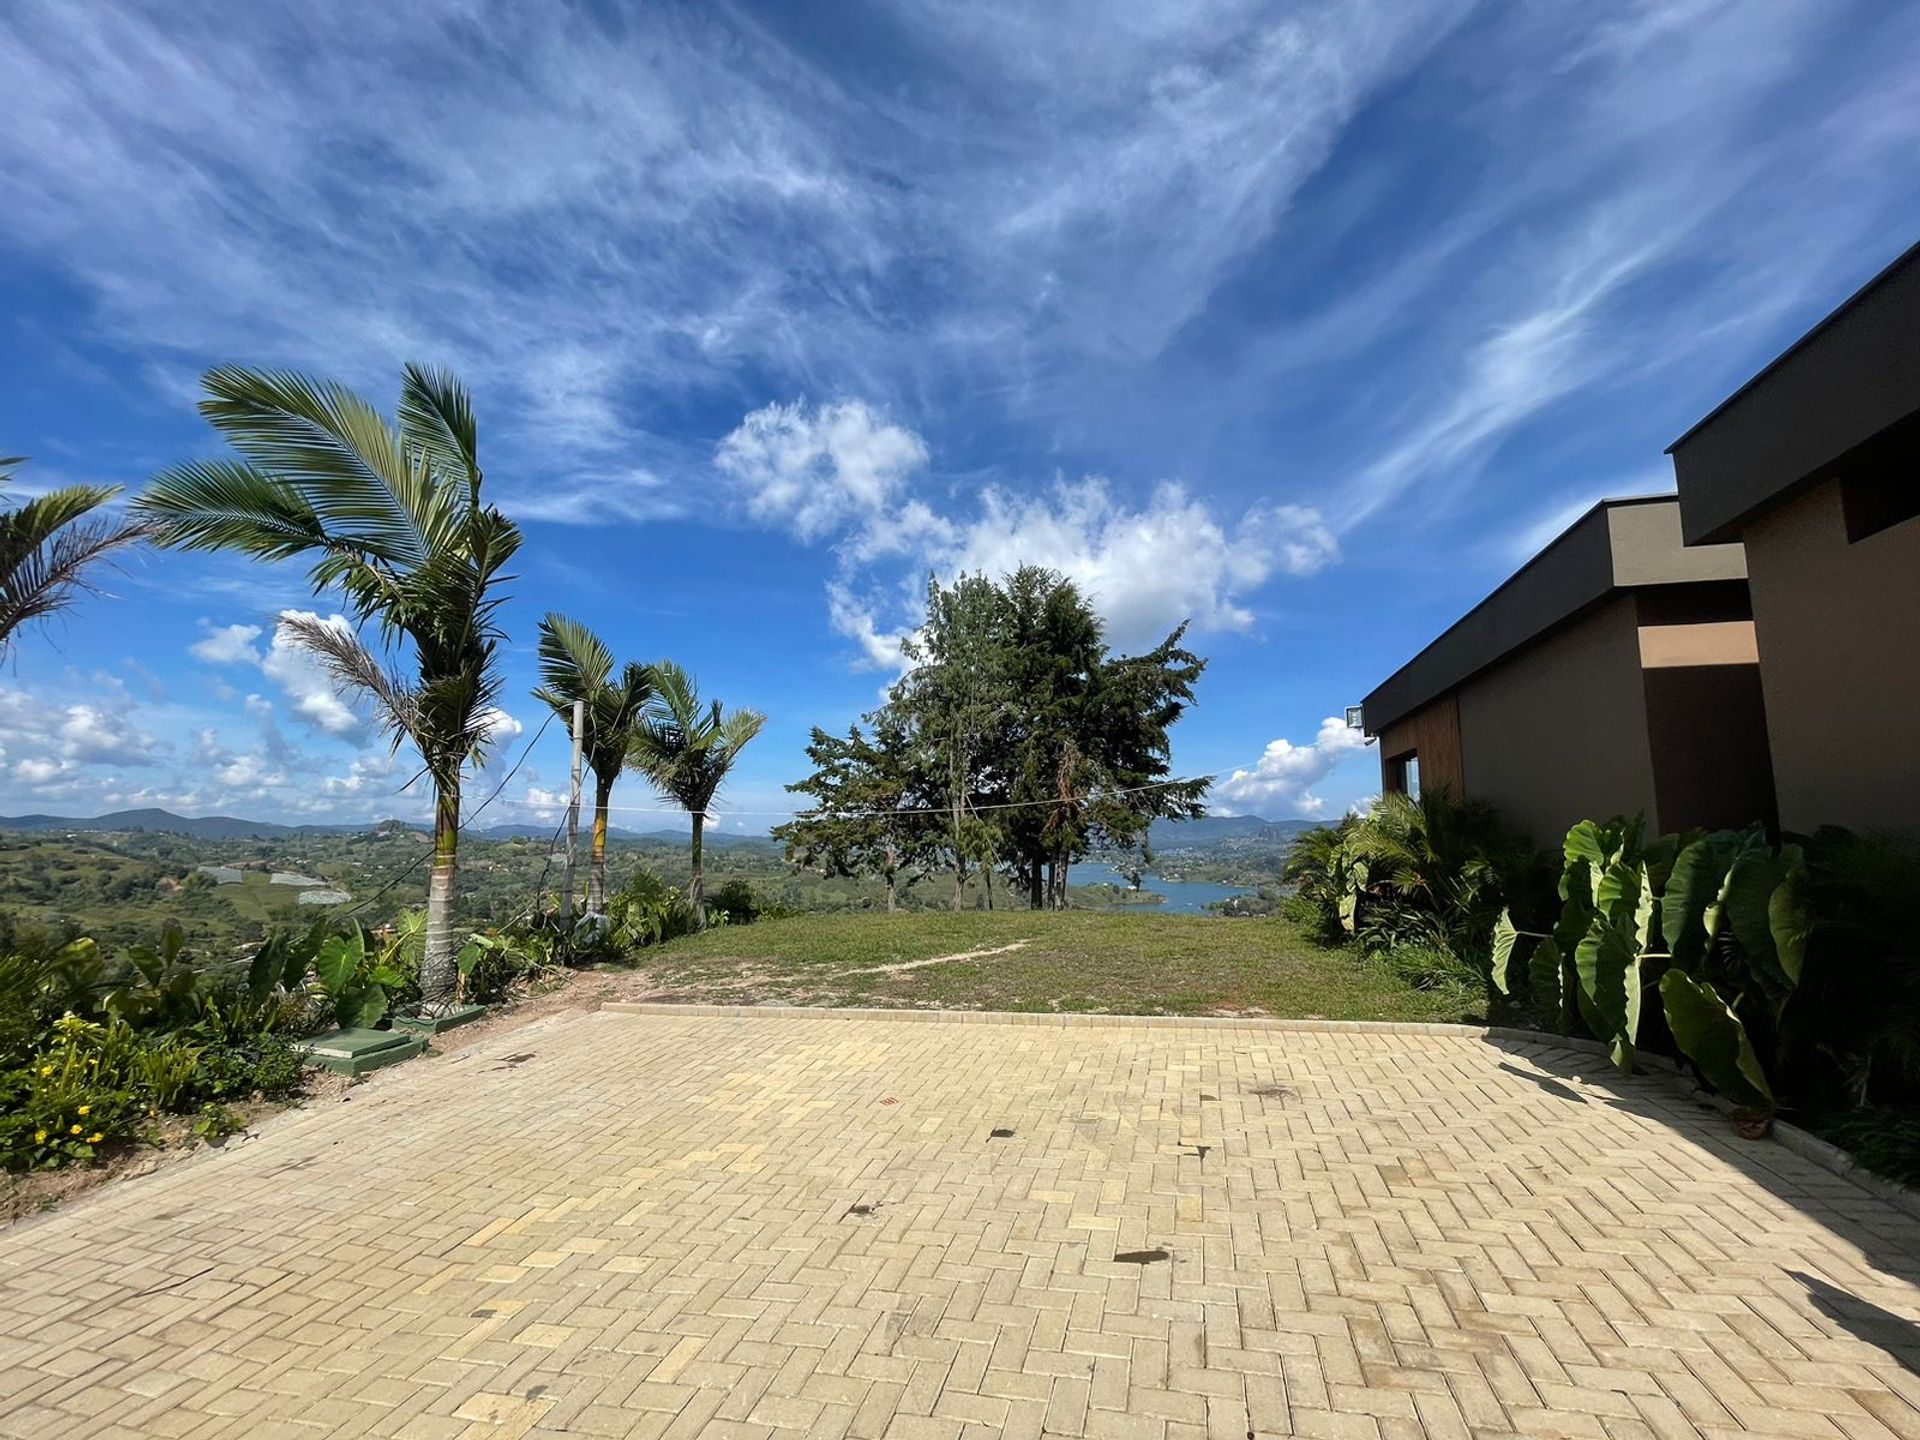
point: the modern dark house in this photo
(1814, 467)
(1747, 650)
(1614, 672)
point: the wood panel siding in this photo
(1432, 733)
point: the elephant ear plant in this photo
(1715, 925)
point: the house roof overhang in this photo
(1618, 545)
(1847, 379)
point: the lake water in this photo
(1184, 897)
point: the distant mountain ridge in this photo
(230, 827)
(1210, 830)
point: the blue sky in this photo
(1305, 322)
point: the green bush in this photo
(92, 1051)
(1427, 875)
(1786, 973)
(735, 900)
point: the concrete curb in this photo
(1808, 1147)
(1021, 1017)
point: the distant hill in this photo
(1214, 830)
(229, 827)
(1208, 832)
(203, 827)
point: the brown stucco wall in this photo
(1559, 732)
(1838, 627)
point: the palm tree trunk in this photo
(439, 967)
(697, 886)
(597, 856)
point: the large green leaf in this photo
(1694, 880)
(1790, 920)
(1617, 888)
(1505, 937)
(1751, 886)
(269, 963)
(1587, 849)
(1711, 1035)
(364, 1006)
(339, 961)
(1349, 905)
(1551, 980)
(1606, 960)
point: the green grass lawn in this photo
(1072, 961)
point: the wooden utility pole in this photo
(573, 811)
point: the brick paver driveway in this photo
(638, 1225)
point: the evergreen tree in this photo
(873, 810)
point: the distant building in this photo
(1614, 672)
(1747, 650)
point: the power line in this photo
(904, 810)
(427, 854)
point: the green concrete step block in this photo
(435, 1024)
(356, 1051)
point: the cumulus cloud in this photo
(843, 473)
(1146, 567)
(367, 774)
(310, 693)
(228, 645)
(94, 736)
(1286, 772)
(820, 470)
(51, 747)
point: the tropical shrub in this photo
(1850, 1035)
(494, 962)
(93, 1052)
(1715, 924)
(1426, 874)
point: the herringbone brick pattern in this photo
(643, 1226)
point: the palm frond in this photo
(46, 549)
(229, 505)
(436, 418)
(737, 730)
(356, 670)
(574, 662)
(675, 695)
(323, 440)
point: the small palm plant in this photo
(392, 516)
(686, 749)
(47, 546)
(575, 664)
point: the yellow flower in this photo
(74, 1131)
(46, 1069)
(39, 1137)
(84, 1110)
(95, 1138)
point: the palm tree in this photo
(391, 515)
(686, 750)
(576, 665)
(46, 548)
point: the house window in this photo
(1403, 775)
